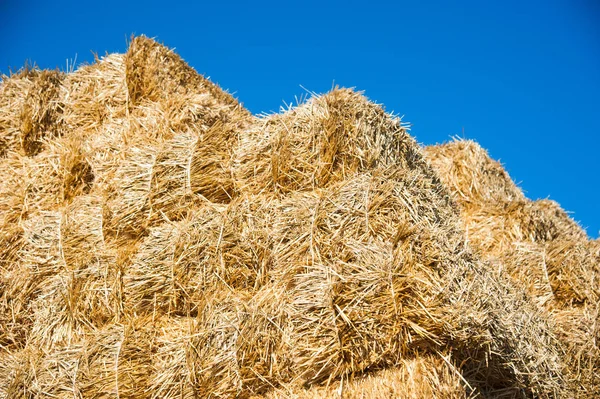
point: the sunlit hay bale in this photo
(327, 139)
(499, 220)
(545, 220)
(574, 270)
(40, 112)
(126, 186)
(496, 230)
(178, 263)
(172, 194)
(470, 174)
(13, 192)
(42, 253)
(94, 95)
(34, 373)
(148, 184)
(157, 180)
(424, 376)
(37, 256)
(45, 181)
(359, 281)
(171, 371)
(17, 378)
(493, 227)
(30, 110)
(13, 92)
(239, 348)
(82, 295)
(17, 288)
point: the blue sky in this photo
(520, 77)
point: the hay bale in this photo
(82, 294)
(156, 74)
(239, 347)
(325, 140)
(94, 95)
(32, 186)
(369, 282)
(30, 118)
(168, 244)
(13, 91)
(500, 220)
(171, 372)
(152, 182)
(178, 263)
(470, 174)
(154, 71)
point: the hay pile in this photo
(159, 241)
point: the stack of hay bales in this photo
(160, 241)
(543, 249)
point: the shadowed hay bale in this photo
(425, 376)
(327, 139)
(545, 251)
(27, 120)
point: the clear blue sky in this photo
(520, 77)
